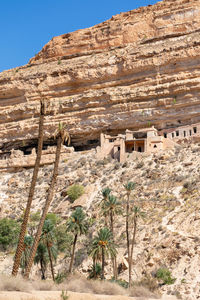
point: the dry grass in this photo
(14, 284)
(74, 284)
(79, 284)
(141, 291)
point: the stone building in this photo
(182, 132)
(142, 140)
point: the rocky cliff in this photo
(167, 191)
(140, 67)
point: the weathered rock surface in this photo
(137, 68)
(167, 190)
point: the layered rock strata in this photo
(18, 160)
(139, 68)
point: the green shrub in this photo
(9, 231)
(165, 275)
(95, 272)
(54, 218)
(60, 277)
(75, 191)
(64, 295)
(64, 239)
(121, 282)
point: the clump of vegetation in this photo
(121, 282)
(77, 225)
(64, 295)
(75, 191)
(9, 231)
(95, 272)
(165, 275)
(174, 100)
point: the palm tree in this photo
(42, 258)
(48, 238)
(20, 245)
(78, 225)
(136, 214)
(28, 241)
(129, 187)
(105, 193)
(103, 246)
(112, 207)
(61, 135)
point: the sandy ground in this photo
(50, 295)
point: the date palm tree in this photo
(28, 241)
(105, 193)
(42, 258)
(103, 246)
(129, 187)
(78, 225)
(20, 245)
(61, 136)
(48, 238)
(137, 213)
(112, 207)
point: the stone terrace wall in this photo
(17, 159)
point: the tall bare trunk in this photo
(46, 207)
(103, 264)
(133, 240)
(127, 237)
(51, 261)
(114, 259)
(73, 252)
(20, 245)
(42, 270)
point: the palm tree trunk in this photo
(114, 260)
(103, 264)
(51, 262)
(42, 270)
(106, 220)
(94, 267)
(73, 252)
(46, 207)
(20, 245)
(133, 242)
(127, 238)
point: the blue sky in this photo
(27, 25)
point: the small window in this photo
(118, 148)
(111, 140)
(172, 134)
(155, 146)
(195, 129)
(165, 135)
(184, 133)
(133, 149)
(190, 132)
(177, 133)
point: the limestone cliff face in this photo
(138, 68)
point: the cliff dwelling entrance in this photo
(137, 145)
(116, 152)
